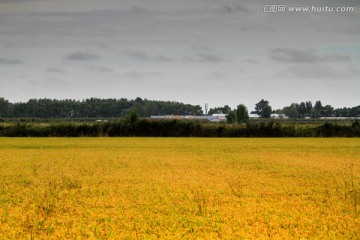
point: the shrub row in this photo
(177, 128)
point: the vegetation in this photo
(220, 110)
(133, 126)
(263, 109)
(151, 188)
(115, 108)
(231, 117)
(242, 114)
(306, 110)
(239, 115)
(93, 108)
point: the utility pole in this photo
(206, 109)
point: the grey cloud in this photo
(336, 58)
(251, 61)
(236, 8)
(134, 25)
(83, 56)
(322, 71)
(196, 24)
(197, 48)
(218, 76)
(297, 56)
(290, 55)
(211, 58)
(144, 57)
(102, 45)
(139, 9)
(206, 58)
(161, 58)
(321, 2)
(10, 61)
(55, 70)
(16, 1)
(132, 75)
(206, 54)
(98, 68)
(163, 31)
(137, 55)
(139, 76)
(156, 74)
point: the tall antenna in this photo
(206, 109)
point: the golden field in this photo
(179, 188)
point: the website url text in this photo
(311, 9)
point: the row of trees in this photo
(241, 113)
(93, 108)
(295, 110)
(114, 108)
(306, 109)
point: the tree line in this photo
(295, 110)
(93, 108)
(115, 108)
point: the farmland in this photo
(172, 188)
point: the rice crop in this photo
(179, 188)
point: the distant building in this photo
(279, 116)
(99, 121)
(174, 117)
(217, 118)
(221, 115)
(213, 118)
(253, 115)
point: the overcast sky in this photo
(194, 51)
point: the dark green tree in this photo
(132, 119)
(318, 106)
(314, 113)
(302, 110)
(327, 111)
(231, 117)
(219, 110)
(6, 108)
(242, 114)
(309, 107)
(292, 111)
(263, 109)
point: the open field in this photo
(173, 188)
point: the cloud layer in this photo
(10, 61)
(220, 52)
(82, 56)
(308, 56)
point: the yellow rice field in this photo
(179, 188)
